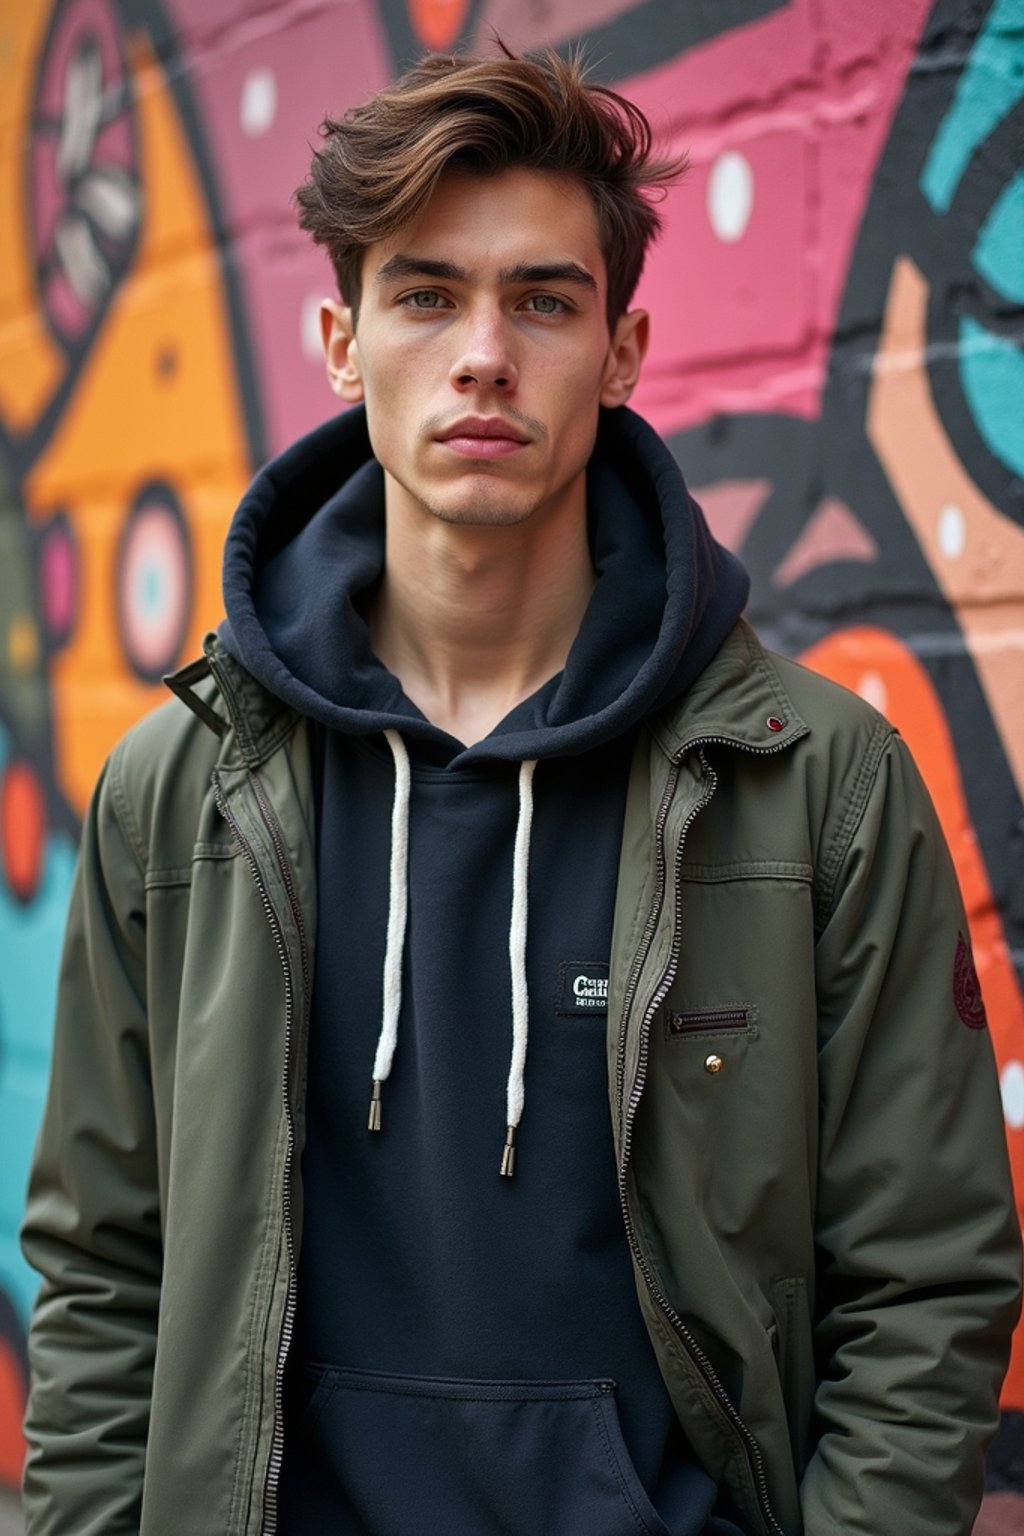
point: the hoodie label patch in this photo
(582, 988)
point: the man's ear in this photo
(341, 350)
(626, 352)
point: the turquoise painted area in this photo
(999, 253)
(991, 84)
(992, 372)
(30, 942)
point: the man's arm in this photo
(92, 1227)
(918, 1247)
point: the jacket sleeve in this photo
(918, 1245)
(92, 1227)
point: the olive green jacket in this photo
(812, 1166)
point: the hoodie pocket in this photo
(385, 1455)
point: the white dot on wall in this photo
(259, 102)
(730, 195)
(952, 532)
(309, 328)
(873, 691)
(1011, 1083)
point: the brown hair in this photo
(382, 160)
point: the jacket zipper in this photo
(274, 1462)
(273, 827)
(649, 927)
(755, 1457)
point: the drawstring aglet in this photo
(374, 1123)
(508, 1156)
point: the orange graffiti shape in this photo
(438, 22)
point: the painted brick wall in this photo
(836, 362)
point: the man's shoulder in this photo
(826, 705)
(766, 701)
(162, 740)
(158, 775)
(804, 755)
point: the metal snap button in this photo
(713, 1063)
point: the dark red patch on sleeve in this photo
(966, 987)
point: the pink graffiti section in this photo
(784, 121)
(263, 82)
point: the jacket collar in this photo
(250, 721)
(738, 700)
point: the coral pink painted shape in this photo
(731, 508)
(437, 23)
(22, 829)
(832, 533)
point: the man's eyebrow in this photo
(401, 266)
(548, 272)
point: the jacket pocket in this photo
(794, 1350)
(383, 1455)
(703, 1023)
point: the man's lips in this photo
(483, 437)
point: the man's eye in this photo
(424, 298)
(547, 304)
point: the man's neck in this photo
(472, 620)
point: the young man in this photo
(489, 813)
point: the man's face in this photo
(482, 349)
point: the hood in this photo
(306, 548)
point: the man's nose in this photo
(485, 356)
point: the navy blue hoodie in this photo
(469, 1354)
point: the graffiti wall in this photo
(837, 363)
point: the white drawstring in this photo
(517, 957)
(398, 907)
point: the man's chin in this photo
(481, 513)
